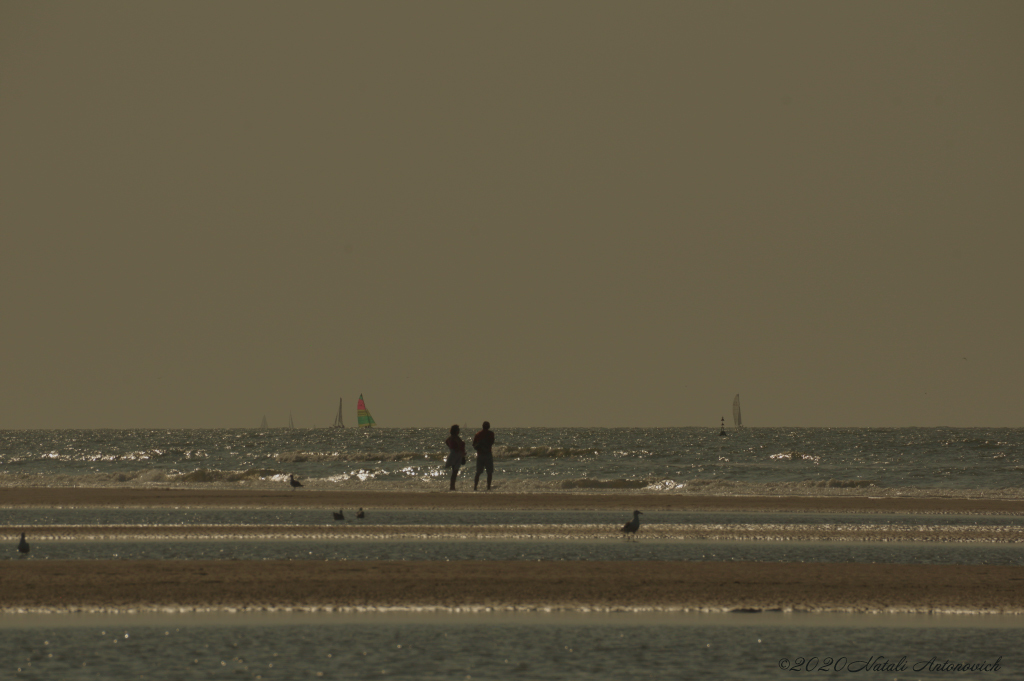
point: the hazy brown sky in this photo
(568, 213)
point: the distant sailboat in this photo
(291, 424)
(338, 423)
(365, 420)
(264, 425)
(737, 418)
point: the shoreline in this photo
(832, 532)
(123, 497)
(603, 586)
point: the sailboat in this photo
(291, 424)
(264, 425)
(737, 418)
(365, 420)
(338, 423)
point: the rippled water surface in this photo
(964, 462)
(599, 647)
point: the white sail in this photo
(291, 423)
(338, 423)
(264, 424)
(737, 418)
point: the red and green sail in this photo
(365, 420)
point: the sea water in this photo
(974, 462)
(979, 463)
(533, 646)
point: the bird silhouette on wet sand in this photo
(339, 514)
(633, 525)
(23, 545)
(293, 482)
(360, 514)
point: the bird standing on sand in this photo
(340, 515)
(23, 545)
(293, 482)
(360, 514)
(633, 525)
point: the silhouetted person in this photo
(633, 525)
(23, 545)
(340, 515)
(456, 454)
(483, 442)
(294, 483)
(360, 514)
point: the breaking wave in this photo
(805, 487)
(145, 477)
(604, 484)
(832, 482)
(208, 475)
(795, 456)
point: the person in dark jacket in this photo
(483, 442)
(456, 454)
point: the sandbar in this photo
(357, 586)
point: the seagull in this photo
(633, 525)
(340, 515)
(293, 482)
(23, 545)
(360, 514)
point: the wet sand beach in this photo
(99, 585)
(704, 532)
(179, 498)
(599, 585)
